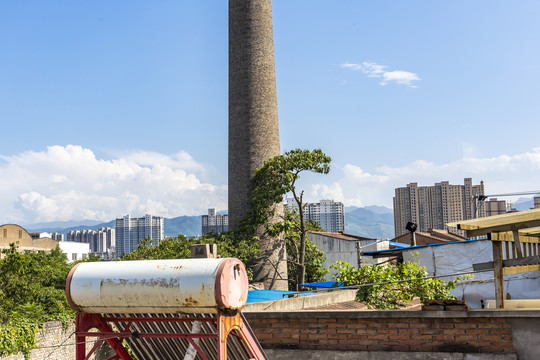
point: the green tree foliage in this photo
(388, 296)
(18, 333)
(276, 178)
(31, 292)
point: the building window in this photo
(20, 234)
(73, 256)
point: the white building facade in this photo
(74, 250)
(329, 214)
(131, 231)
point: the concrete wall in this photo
(301, 302)
(74, 250)
(482, 333)
(335, 249)
(284, 354)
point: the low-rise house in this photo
(16, 234)
(433, 236)
(459, 257)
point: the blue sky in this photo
(109, 108)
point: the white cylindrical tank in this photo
(158, 286)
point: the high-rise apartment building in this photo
(57, 236)
(537, 202)
(494, 207)
(214, 222)
(83, 236)
(131, 231)
(329, 214)
(101, 241)
(432, 207)
(106, 240)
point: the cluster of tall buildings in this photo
(432, 207)
(101, 241)
(124, 238)
(329, 214)
(131, 231)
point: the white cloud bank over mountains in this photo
(375, 70)
(502, 174)
(71, 183)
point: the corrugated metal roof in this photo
(340, 236)
(175, 345)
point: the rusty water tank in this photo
(158, 286)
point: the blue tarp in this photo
(398, 245)
(322, 284)
(265, 295)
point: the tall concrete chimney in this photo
(253, 122)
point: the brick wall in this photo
(351, 331)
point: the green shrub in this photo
(390, 293)
(32, 291)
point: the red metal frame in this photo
(224, 324)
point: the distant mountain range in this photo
(369, 221)
(524, 203)
(187, 225)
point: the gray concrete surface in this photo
(279, 354)
(526, 337)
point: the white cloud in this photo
(322, 191)
(501, 174)
(399, 77)
(369, 68)
(375, 70)
(70, 183)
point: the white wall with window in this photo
(74, 250)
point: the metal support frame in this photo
(224, 323)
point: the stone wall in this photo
(49, 338)
(58, 343)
